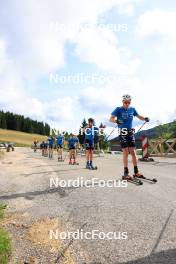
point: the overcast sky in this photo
(61, 61)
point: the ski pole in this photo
(141, 127)
(112, 132)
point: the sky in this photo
(61, 61)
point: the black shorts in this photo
(59, 146)
(45, 146)
(128, 141)
(50, 146)
(89, 144)
(72, 147)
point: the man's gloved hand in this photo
(147, 119)
(119, 122)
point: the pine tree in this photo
(81, 135)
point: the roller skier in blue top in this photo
(51, 146)
(72, 145)
(123, 116)
(60, 141)
(90, 132)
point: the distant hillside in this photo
(164, 131)
(20, 138)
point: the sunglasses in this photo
(127, 103)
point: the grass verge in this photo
(5, 243)
(19, 138)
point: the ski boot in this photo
(75, 163)
(92, 167)
(88, 166)
(127, 177)
(138, 175)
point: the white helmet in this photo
(126, 97)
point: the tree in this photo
(16, 122)
(103, 142)
(81, 135)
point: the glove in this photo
(147, 119)
(119, 122)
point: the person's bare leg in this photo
(91, 155)
(125, 157)
(70, 156)
(134, 160)
(74, 155)
(87, 158)
(87, 155)
(133, 155)
(61, 153)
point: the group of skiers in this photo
(90, 132)
(123, 117)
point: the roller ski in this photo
(142, 177)
(88, 166)
(131, 179)
(75, 163)
(60, 159)
(91, 167)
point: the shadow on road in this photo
(61, 191)
(47, 172)
(163, 257)
(52, 165)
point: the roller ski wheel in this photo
(70, 163)
(142, 177)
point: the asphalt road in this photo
(146, 214)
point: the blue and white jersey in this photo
(125, 115)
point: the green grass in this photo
(5, 243)
(2, 208)
(20, 139)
